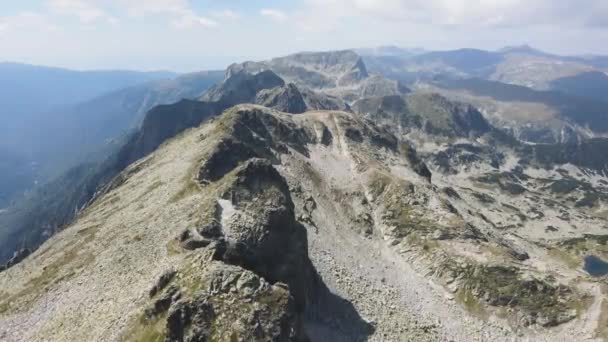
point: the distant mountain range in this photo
(29, 90)
(522, 65)
(52, 118)
(538, 96)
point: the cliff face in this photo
(340, 75)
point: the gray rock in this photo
(162, 282)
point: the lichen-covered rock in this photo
(262, 234)
(235, 304)
(286, 99)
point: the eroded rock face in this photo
(432, 113)
(257, 286)
(340, 74)
(256, 241)
(262, 234)
(227, 303)
(286, 99)
(239, 87)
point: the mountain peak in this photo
(525, 48)
(339, 74)
(326, 59)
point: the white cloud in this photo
(468, 12)
(226, 14)
(179, 12)
(191, 20)
(26, 21)
(145, 7)
(85, 11)
(274, 14)
(305, 25)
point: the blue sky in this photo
(184, 35)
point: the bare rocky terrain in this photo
(312, 216)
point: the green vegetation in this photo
(378, 183)
(506, 181)
(588, 244)
(565, 186)
(602, 324)
(189, 189)
(569, 259)
(501, 286)
(431, 108)
(157, 184)
(50, 275)
(143, 330)
(470, 303)
(408, 220)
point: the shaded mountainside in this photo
(86, 132)
(593, 84)
(30, 89)
(444, 120)
(432, 113)
(92, 123)
(530, 115)
(29, 92)
(589, 154)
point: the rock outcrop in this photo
(433, 114)
(339, 74)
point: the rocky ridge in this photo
(337, 75)
(409, 218)
(263, 211)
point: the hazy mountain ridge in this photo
(536, 96)
(57, 139)
(341, 74)
(30, 90)
(524, 66)
(531, 115)
(32, 93)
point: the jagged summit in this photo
(242, 86)
(333, 63)
(341, 74)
